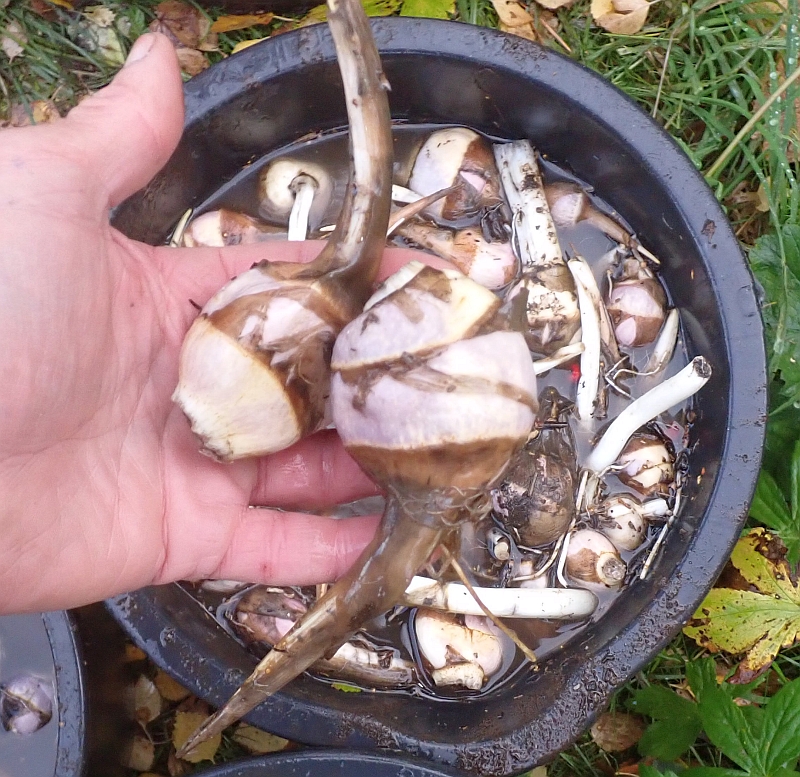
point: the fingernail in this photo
(140, 49)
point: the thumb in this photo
(125, 133)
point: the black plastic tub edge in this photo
(444, 72)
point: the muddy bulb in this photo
(623, 521)
(218, 228)
(550, 308)
(296, 193)
(457, 156)
(637, 306)
(467, 398)
(26, 704)
(462, 655)
(490, 263)
(592, 558)
(647, 464)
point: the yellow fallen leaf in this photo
(64, 4)
(37, 112)
(185, 725)
(515, 19)
(170, 689)
(245, 44)
(621, 17)
(241, 21)
(258, 742)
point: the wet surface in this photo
(25, 649)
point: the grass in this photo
(719, 75)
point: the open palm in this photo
(102, 487)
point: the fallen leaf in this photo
(245, 44)
(133, 653)
(617, 731)
(319, 13)
(515, 19)
(143, 700)
(100, 38)
(139, 754)
(258, 742)
(758, 623)
(63, 4)
(192, 61)
(99, 15)
(170, 689)
(184, 24)
(554, 4)
(13, 40)
(42, 8)
(37, 112)
(621, 17)
(241, 22)
(429, 9)
(185, 725)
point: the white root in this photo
(540, 366)
(607, 336)
(555, 603)
(305, 188)
(664, 345)
(589, 382)
(402, 194)
(646, 408)
(537, 240)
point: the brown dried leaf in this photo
(170, 689)
(617, 731)
(42, 8)
(139, 755)
(38, 112)
(241, 22)
(515, 19)
(192, 61)
(13, 41)
(258, 742)
(182, 23)
(621, 17)
(185, 725)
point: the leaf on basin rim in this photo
(758, 623)
(258, 742)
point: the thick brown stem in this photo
(376, 582)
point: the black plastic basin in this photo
(442, 72)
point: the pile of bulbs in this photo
(431, 383)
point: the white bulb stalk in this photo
(404, 195)
(589, 382)
(534, 228)
(665, 344)
(555, 603)
(558, 358)
(646, 408)
(304, 187)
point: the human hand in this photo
(103, 487)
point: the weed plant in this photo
(720, 75)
